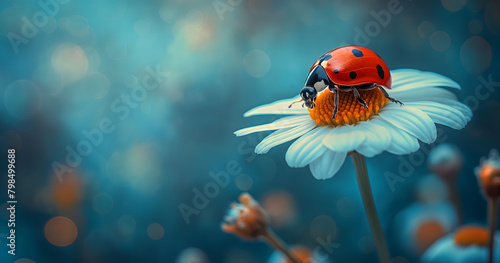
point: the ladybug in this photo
(349, 68)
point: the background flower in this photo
(466, 245)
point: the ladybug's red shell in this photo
(353, 65)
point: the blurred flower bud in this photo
(301, 253)
(246, 219)
(488, 175)
(445, 160)
(429, 188)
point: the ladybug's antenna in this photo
(294, 103)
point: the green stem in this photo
(278, 244)
(371, 212)
(492, 218)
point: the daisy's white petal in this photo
(285, 122)
(407, 79)
(377, 139)
(422, 94)
(284, 135)
(327, 165)
(466, 111)
(411, 120)
(306, 148)
(402, 142)
(344, 139)
(442, 114)
(279, 107)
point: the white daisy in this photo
(421, 224)
(468, 244)
(323, 143)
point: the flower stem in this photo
(492, 211)
(371, 211)
(278, 244)
(455, 200)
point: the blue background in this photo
(64, 78)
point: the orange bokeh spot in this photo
(67, 192)
(428, 233)
(280, 206)
(60, 231)
(472, 235)
(350, 111)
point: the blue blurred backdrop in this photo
(120, 110)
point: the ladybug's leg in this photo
(356, 95)
(333, 89)
(381, 88)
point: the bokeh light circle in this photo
(93, 57)
(24, 260)
(76, 25)
(323, 226)
(425, 29)
(281, 208)
(130, 81)
(257, 63)
(138, 167)
(168, 13)
(453, 5)
(440, 40)
(60, 231)
(126, 225)
(491, 17)
(475, 55)
(476, 5)
(142, 27)
(70, 61)
(475, 26)
(244, 182)
(155, 231)
(67, 193)
(96, 85)
(102, 203)
(22, 99)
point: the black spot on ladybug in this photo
(357, 53)
(325, 57)
(380, 72)
(353, 75)
(336, 71)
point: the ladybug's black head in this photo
(308, 95)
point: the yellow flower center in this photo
(472, 235)
(350, 111)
